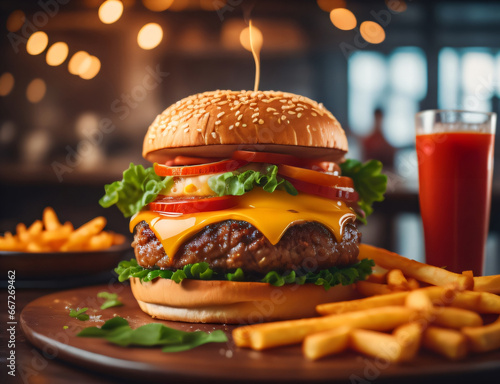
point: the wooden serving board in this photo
(44, 319)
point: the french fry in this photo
(411, 268)
(396, 298)
(376, 344)
(83, 234)
(326, 343)
(468, 273)
(102, 240)
(420, 301)
(50, 220)
(482, 302)
(449, 343)
(35, 229)
(397, 281)
(413, 284)
(378, 278)
(483, 339)
(456, 318)
(22, 233)
(409, 337)
(487, 284)
(263, 336)
(371, 289)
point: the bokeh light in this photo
(15, 21)
(110, 11)
(6, 83)
(157, 5)
(36, 90)
(343, 19)
(77, 64)
(396, 5)
(57, 53)
(257, 38)
(372, 32)
(90, 68)
(150, 36)
(179, 5)
(37, 43)
(329, 5)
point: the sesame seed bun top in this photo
(214, 124)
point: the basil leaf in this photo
(138, 188)
(237, 183)
(369, 182)
(79, 314)
(111, 300)
(118, 331)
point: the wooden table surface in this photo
(33, 367)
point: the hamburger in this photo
(245, 215)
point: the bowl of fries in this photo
(47, 248)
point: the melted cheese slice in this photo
(271, 213)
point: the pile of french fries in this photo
(49, 235)
(409, 305)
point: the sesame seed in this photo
(270, 109)
(243, 125)
(279, 121)
(314, 114)
(240, 117)
(253, 104)
(220, 114)
(255, 114)
(186, 130)
(231, 127)
(308, 126)
(254, 120)
(185, 126)
(299, 109)
(299, 115)
(291, 112)
(283, 117)
(261, 121)
(214, 135)
(283, 101)
(275, 113)
(218, 122)
(237, 124)
(237, 113)
(199, 130)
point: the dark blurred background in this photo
(73, 115)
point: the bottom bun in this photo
(231, 302)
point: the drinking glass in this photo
(455, 169)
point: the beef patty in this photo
(232, 244)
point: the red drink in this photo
(455, 176)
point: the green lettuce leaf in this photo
(201, 271)
(138, 188)
(118, 331)
(369, 182)
(237, 183)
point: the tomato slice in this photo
(314, 177)
(324, 166)
(330, 192)
(190, 160)
(176, 205)
(267, 157)
(199, 169)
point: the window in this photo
(468, 78)
(396, 83)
